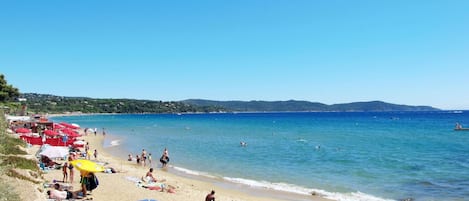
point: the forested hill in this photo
(44, 103)
(292, 105)
(41, 103)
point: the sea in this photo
(366, 156)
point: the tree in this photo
(7, 92)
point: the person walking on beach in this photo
(210, 196)
(95, 131)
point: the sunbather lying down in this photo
(112, 170)
(158, 186)
(58, 193)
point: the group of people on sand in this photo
(144, 158)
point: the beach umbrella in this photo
(51, 133)
(73, 134)
(79, 142)
(54, 152)
(57, 126)
(87, 165)
(76, 125)
(68, 125)
(23, 130)
(70, 132)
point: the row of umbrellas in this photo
(63, 127)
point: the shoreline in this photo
(258, 192)
(187, 187)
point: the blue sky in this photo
(404, 52)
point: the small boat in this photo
(460, 128)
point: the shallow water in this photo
(347, 156)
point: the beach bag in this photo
(92, 182)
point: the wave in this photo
(195, 173)
(290, 188)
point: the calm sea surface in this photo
(346, 156)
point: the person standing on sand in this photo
(95, 154)
(211, 196)
(144, 157)
(65, 172)
(83, 182)
(95, 131)
(87, 147)
(164, 158)
(149, 159)
(70, 168)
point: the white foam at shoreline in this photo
(192, 172)
(290, 188)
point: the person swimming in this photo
(243, 144)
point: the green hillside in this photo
(292, 105)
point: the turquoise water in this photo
(345, 156)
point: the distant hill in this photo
(38, 103)
(293, 105)
(42, 103)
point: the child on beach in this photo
(144, 157)
(149, 159)
(65, 172)
(130, 157)
(95, 154)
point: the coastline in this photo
(187, 187)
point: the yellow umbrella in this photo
(87, 166)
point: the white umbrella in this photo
(55, 152)
(79, 142)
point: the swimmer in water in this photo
(243, 144)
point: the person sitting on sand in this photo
(211, 196)
(130, 157)
(149, 176)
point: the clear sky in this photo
(331, 51)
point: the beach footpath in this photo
(126, 183)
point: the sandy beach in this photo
(118, 186)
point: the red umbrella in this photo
(70, 132)
(73, 134)
(23, 130)
(68, 125)
(51, 133)
(58, 126)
